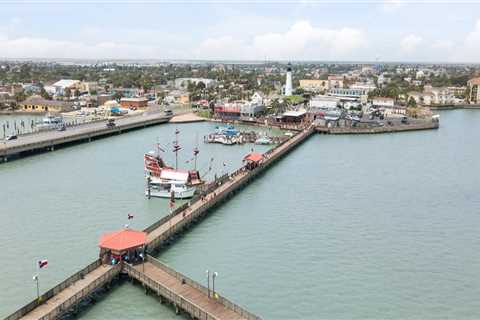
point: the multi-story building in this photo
(335, 81)
(136, 103)
(314, 85)
(348, 92)
(474, 95)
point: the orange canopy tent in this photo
(254, 157)
(123, 240)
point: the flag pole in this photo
(36, 280)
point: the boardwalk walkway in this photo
(186, 294)
(72, 293)
(189, 296)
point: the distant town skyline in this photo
(391, 30)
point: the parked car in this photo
(62, 127)
(168, 112)
(11, 137)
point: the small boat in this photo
(264, 140)
(227, 135)
(49, 122)
(171, 181)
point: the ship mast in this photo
(176, 148)
(195, 153)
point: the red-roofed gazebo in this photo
(253, 159)
(123, 240)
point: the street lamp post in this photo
(214, 275)
(143, 259)
(35, 278)
(208, 282)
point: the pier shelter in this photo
(124, 245)
(253, 160)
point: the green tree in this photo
(20, 96)
(67, 93)
(45, 94)
(412, 103)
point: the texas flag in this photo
(42, 263)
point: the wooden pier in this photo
(425, 125)
(49, 140)
(184, 293)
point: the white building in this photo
(63, 84)
(383, 102)
(323, 103)
(253, 107)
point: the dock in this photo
(49, 140)
(425, 125)
(183, 293)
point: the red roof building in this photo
(123, 240)
(253, 157)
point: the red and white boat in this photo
(163, 180)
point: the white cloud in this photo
(26, 47)
(301, 41)
(392, 5)
(471, 45)
(410, 43)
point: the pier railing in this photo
(224, 301)
(188, 306)
(52, 292)
(104, 278)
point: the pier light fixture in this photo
(214, 275)
(208, 282)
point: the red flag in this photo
(42, 263)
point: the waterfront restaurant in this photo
(294, 116)
(123, 245)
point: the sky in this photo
(319, 30)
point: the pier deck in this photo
(48, 140)
(67, 294)
(189, 296)
(184, 293)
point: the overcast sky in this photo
(392, 30)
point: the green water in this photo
(345, 227)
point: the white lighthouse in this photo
(288, 83)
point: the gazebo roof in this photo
(123, 240)
(254, 156)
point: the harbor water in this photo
(345, 227)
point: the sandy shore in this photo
(186, 118)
